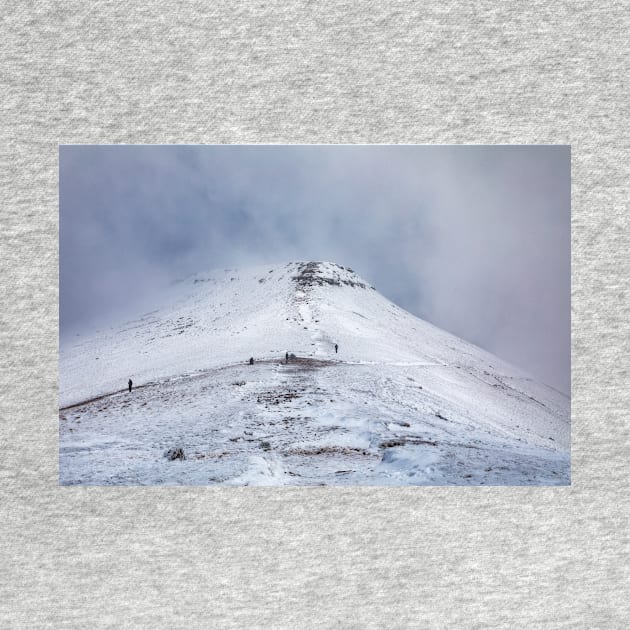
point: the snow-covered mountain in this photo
(400, 403)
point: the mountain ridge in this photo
(398, 384)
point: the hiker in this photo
(251, 360)
(130, 384)
(286, 357)
(336, 348)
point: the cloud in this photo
(474, 239)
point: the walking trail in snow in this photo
(401, 403)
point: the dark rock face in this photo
(311, 274)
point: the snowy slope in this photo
(402, 402)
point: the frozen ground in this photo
(402, 403)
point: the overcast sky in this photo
(473, 239)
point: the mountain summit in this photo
(370, 394)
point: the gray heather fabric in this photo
(400, 72)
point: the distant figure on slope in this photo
(130, 383)
(336, 348)
(251, 360)
(286, 357)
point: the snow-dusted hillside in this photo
(402, 402)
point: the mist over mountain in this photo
(369, 395)
(474, 239)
